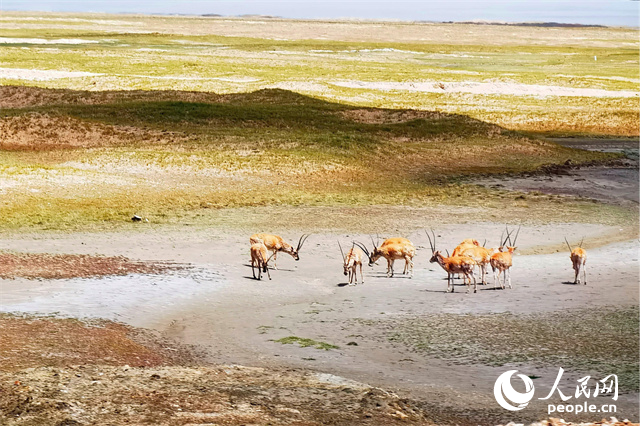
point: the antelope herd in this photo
(466, 257)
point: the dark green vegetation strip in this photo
(604, 340)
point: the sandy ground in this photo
(493, 88)
(216, 304)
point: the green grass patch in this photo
(305, 343)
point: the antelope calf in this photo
(351, 261)
(454, 265)
(275, 243)
(392, 249)
(579, 259)
(259, 259)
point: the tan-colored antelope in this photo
(259, 259)
(481, 255)
(502, 261)
(392, 249)
(351, 261)
(579, 259)
(471, 247)
(469, 242)
(454, 265)
(275, 244)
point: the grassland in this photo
(330, 60)
(102, 157)
(177, 118)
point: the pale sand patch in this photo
(383, 50)
(602, 77)
(92, 21)
(60, 180)
(492, 88)
(182, 77)
(304, 86)
(41, 75)
(16, 40)
(147, 49)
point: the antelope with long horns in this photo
(579, 259)
(351, 261)
(392, 249)
(454, 265)
(502, 261)
(276, 244)
(259, 259)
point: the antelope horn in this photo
(516, 237)
(568, 245)
(485, 242)
(508, 238)
(363, 248)
(303, 238)
(582, 241)
(344, 258)
(431, 243)
(448, 255)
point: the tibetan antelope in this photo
(259, 259)
(275, 244)
(454, 265)
(351, 261)
(502, 260)
(392, 249)
(481, 255)
(579, 260)
(469, 242)
(471, 248)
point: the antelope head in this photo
(345, 259)
(296, 253)
(569, 245)
(376, 253)
(435, 254)
(368, 253)
(512, 245)
(503, 242)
